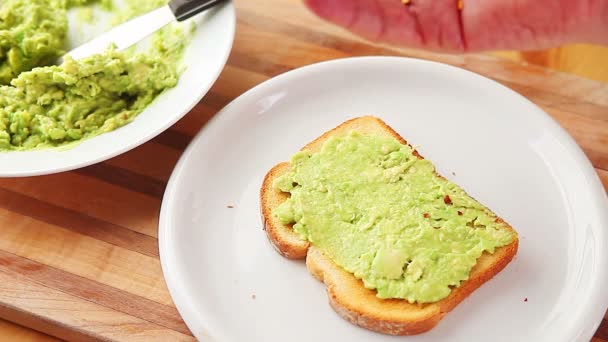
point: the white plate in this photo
(500, 147)
(204, 59)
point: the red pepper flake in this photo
(426, 215)
(525, 299)
(447, 200)
(459, 213)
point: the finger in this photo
(523, 24)
(377, 20)
(440, 24)
(402, 25)
(429, 24)
(341, 12)
(533, 24)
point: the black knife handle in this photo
(184, 9)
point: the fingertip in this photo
(319, 7)
(338, 11)
(315, 5)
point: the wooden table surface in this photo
(78, 250)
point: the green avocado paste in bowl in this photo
(42, 105)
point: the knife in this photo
(136, 29)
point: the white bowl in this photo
(204, 59)
(229, 284)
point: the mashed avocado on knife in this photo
(385, 216)
(45, 106)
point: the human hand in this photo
(440, 25)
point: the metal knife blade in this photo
(126, 34)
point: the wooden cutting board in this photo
(78, 250)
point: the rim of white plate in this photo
(597, 301)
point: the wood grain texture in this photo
(585, 60)
(13, 332)
(78, 250)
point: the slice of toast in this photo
(347, 295)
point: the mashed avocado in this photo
(46, 106)
(32, 33)
(382, 214)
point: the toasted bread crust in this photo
(347, 295)
(283, 238)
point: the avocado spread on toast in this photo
(384, 215)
